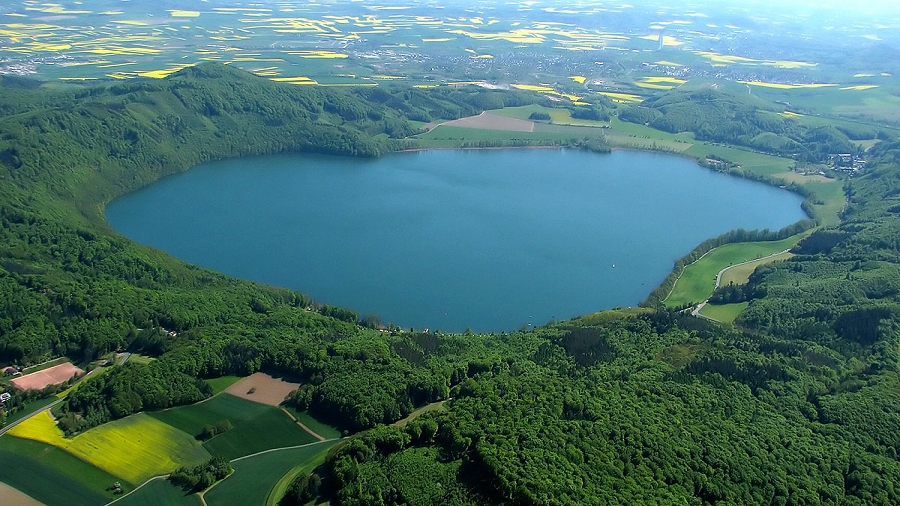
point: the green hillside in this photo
(797, 404)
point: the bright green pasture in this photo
(255, 477)
(52, 475)
(322, 429)
(160, 492)
(629, 135)
(140, 359)
(220, 384)
(698, 280)
(757, 163)
(725, 313)
(271, 428)
(191, 419)
(740, 274)
(453, 136)
(558, 116)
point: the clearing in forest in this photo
(263, 388)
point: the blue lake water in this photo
(449, 239)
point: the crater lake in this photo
(490, 240)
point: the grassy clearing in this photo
(272, 428)
(740, 274)
(558, 116)
(160, 493)
(53, 476)
(140, 359)
(220, 384)
(698, 280)
(725, 313)
(254, 478)
(134, 448)
(322, 429)
(434, 406)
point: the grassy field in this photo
(725, 313)
(452, 136)
(322, 429)
(558, 116)
(740, 274)
(192, 418)
(256, 427)
(220, 384)
(134, 448)
(255, 477)
(272, 428)
(53, 476)
(699, 279)
(160, 492)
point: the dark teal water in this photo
(487, 239)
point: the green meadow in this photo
(698, 280)
(53, 476)
(322, 429)
(725, 313)
(255, 477)
(160, 492)
(255, 427)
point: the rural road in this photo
(45, 408)
(17, 422)
(696, 311)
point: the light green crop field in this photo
(220, 384)
(725, 313)
(255, 477)
(160, 492)
(558, 115)
(740, 274)
(52, 475)
(698, 280)
(134, 448)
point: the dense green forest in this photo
(799, 404)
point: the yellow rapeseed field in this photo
(784, 86)
(135, 448)
(622, 97)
